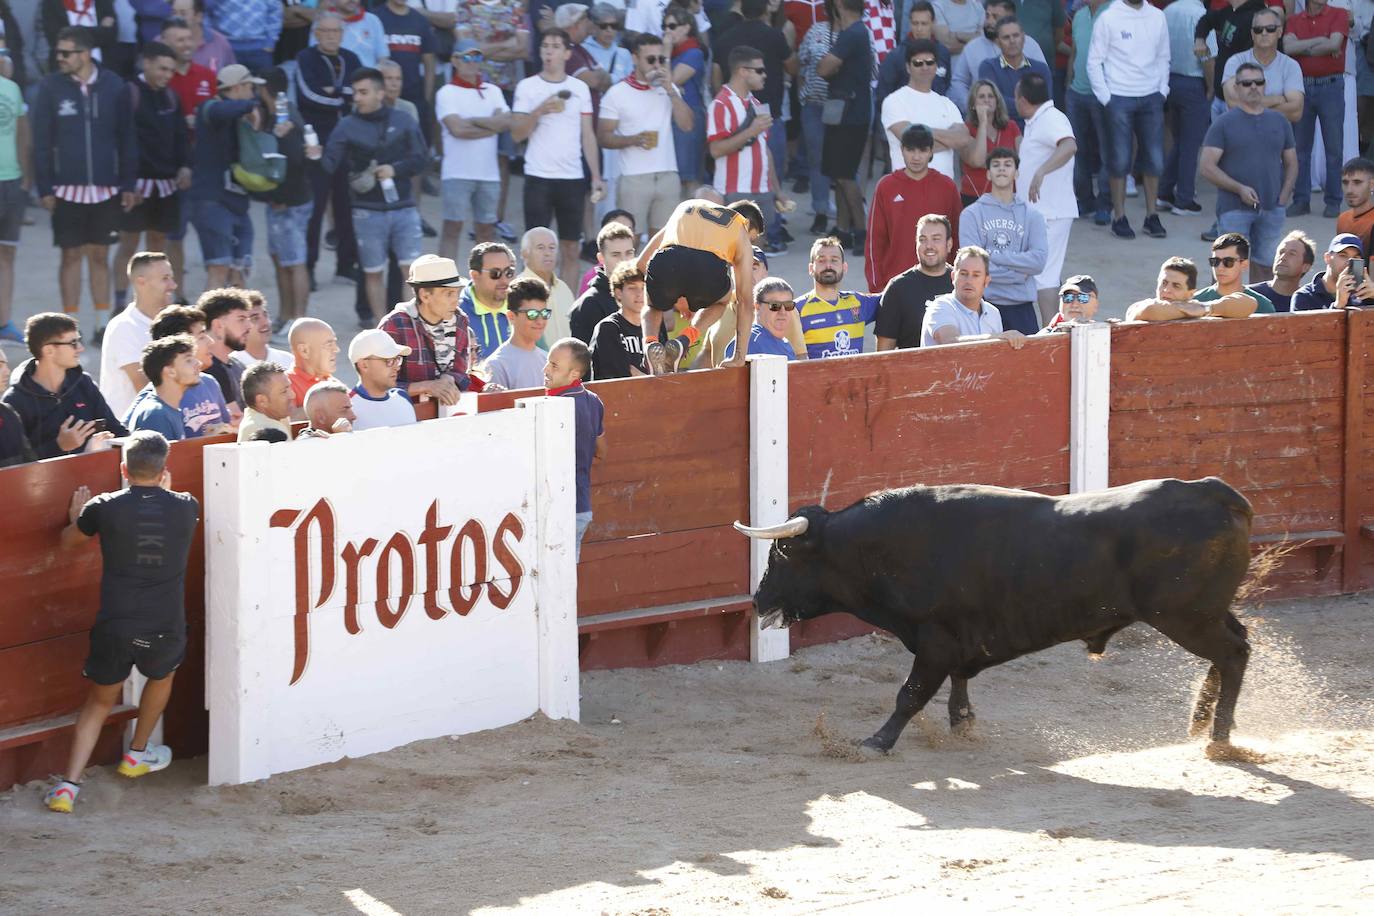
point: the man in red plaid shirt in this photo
(436, 332)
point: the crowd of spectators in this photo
(993, 125)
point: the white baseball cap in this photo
(375, 342)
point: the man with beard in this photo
(833, 321)
(984, 47)
(226, 318)
(902, 308)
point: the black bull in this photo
(969, 576)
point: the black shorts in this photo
(561, 199)
(154, 214)
(841, 150)
(74, 225)
(13, 200)
(113, 654)
(676, 272)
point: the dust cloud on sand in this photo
(729, 787)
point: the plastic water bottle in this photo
(283, 108)
(311, 139)
(389, 190)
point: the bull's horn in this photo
(793, 527)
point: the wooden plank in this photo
(1357, 324)
(621, 620)
(682, 642)
(669, 568)
(1297, 420)
(38, 761)
(1219, 334)
(42, 730)
(830, 628)
(1264, 385)
(42, 679)
(1204, 446)
(966, 414)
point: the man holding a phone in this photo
(1345, 282)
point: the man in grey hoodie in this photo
(1014, 235)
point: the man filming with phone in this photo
(1345, 282)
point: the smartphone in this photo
(565, 94)
(1357, 270)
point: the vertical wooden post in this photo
(1352, 513)
(768, 491)
(556, 582)
(1090, 364)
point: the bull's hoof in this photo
(1228, 752)
(874, 747)
(962, 728)
(1199, 726)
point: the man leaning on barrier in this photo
(145, 535)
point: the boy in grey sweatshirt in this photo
(1013, 233)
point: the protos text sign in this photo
(383, 587)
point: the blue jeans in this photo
(384, 232)
(226, 237)
(1187, 113)
(777, 151)
(1142, 119)
(1088, 119)
(286, 233)
(1261, 227)
(1324, 100)
(690, 147)
(257, 60)
(813, 136)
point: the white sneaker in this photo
(152, 758)
(1131, 190)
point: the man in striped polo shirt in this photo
(737, 135)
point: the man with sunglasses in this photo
(1077, 304)
(1250, 155)
(85, 160)
(1176, 295)
(918, 102)
(603, 43)
(773, 307)
(473, 114)
(491, 268)
(62, 409)
(377, 402)
(1230, 257)
(1283, 90)
(519, 362)
(637, 118)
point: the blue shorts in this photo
(1262, 228)
(381, 231)
(226, 237)
(286, 233)
(467, 200)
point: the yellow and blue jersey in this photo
(836, 328)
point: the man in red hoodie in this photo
(899, 201)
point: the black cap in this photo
(1082, 281)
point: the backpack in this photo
(261, 167)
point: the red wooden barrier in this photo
(48, 601)
(1261, 404)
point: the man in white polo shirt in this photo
(1045, 180)
(377, 402)
(962, 315)
(637, 118)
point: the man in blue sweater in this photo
(85, 160)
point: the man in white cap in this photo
(377, 402)
(434, 333)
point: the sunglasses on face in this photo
(605, 25)
(776, 306)
(1223, 262)
(922, 63)
(472, 57)
(496, 273)
(759, 70)
(61, 53)
(538, 314)
(1079, 297)
(1257, 29)
(655, 59)
(73, 343)
(1248, 84)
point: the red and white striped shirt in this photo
(744, 171)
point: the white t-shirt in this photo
(248, 360)
(125, 337)
(555, 146)
(474, 160)
(370, 413)
(928, 108)
(639, 110)
(1041, 135)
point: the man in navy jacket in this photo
(85, 160)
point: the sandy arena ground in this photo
(732, 787)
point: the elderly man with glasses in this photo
(773, 308)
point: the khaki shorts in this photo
(651, 197)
